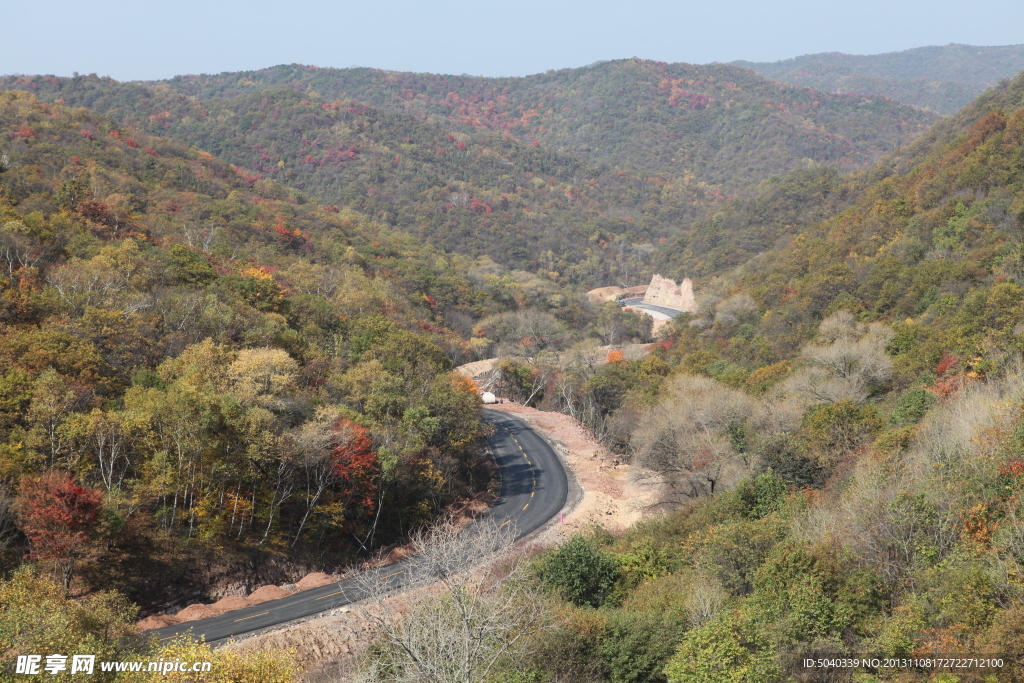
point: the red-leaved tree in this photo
(355, 463)
(57, 515)
(338, 465)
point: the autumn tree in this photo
(54, 398)
(848, 360)
(695, 435)
(356, 466)
(228, 665)
(8, 520)
(57, 515)
(36, 617)
(182, 425)
(611, 323)
(524, 333)
(332, 450)
(21, 247)
(526, 382)
(106, 436)
(616, 325)
(263, 377)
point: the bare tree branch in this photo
(471, 610)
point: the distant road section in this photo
(534, 488)
(639, 303)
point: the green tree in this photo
(580, 571)
(809, 593)
(637, 645)
(832, 430)
(189, 267)
(911, 407)
(727, 649)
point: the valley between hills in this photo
(769, 318)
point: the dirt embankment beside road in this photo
(265, 593)
(614, 495)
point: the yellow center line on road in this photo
(531, 493)
(253, 616)
(526, 506)
(395, 574)
(476, 539)
(505, 522)
(330, 594)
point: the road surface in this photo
(639, 303)
(534, 488)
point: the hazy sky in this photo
(147, 39)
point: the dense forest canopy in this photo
(724, 124)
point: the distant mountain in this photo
(942, 79)
(723, 124)
(475, 193)
(575, 174)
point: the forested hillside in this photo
(478, 193)
(193, 353)
(942, 79)
(725, 125)
(840, 426)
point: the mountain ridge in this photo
(941, 78)
(573, 108)
(513, 174)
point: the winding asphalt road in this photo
(534, 488)
(639, 303)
